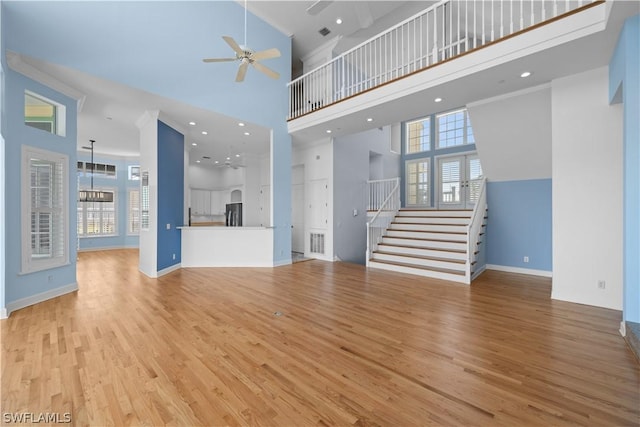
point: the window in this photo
(419, 135)
(97, 169)
(417, 179)
(44, 114)
(98, 219)
(453, 129)
(45, 201)
(133, 212)
(144, 202)
(134, 173)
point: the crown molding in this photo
(17, 64)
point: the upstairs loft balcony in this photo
(445, 31)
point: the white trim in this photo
(106, 248)
(478, 272)
(283, 262)
(16, 63)
(3, 313)
(41, 297)
(168, 270)
(509, 95)
(623, 328)
(518, 270)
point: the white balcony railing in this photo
(441, 32)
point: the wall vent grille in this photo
(316, 243)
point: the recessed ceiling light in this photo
(339, 21)
(192, 123)
(197, 161)
(216, 162)
(328, 130)
(247, 133)
(369, 119)
(228, 158)
(237, 155)
(525, 74)
(194, 144)
(437, 99)
(204, 132)
(240, 124)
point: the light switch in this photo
(355, 212)
(168, 226)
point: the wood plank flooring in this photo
(351, 347)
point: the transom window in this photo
(453, 129)
(44, 114)
(419, 135)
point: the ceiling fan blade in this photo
(266, 54)
(231, 42)
(264, 69)
(242, 70)
(219, 59)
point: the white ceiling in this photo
(360, 20)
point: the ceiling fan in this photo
(228, 164)
(247, 56)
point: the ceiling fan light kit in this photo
(246, 56)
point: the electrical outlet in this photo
(526, 259)
(50, 278)
(168, 226)
(174, 256)
(602, 284)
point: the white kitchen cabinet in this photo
(200, 202)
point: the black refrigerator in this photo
(233, 215)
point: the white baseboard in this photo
(282, 262)
(37, 298)
(169, 270)
(3, 313)
(530, 271)
(106, 248)
(479, 272)
(623, 329)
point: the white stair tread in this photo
(426, 258)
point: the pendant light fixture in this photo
(94, 195)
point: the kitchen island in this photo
(204, 246)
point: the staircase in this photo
(431, 243)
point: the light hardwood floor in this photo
(351, 347)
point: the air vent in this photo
(324, 31)
(206, 157)
(316, 245)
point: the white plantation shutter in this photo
(133, 212)
(45, 209)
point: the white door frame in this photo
(464, 203)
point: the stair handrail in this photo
(390, 204)
(475, 225)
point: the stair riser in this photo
(462, 246)
(425, 227)
(461, 214)
(420, 262)
(429, 220)
(423, 252)
(427, 235)
(419, 272)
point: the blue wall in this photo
(122, 184)
(16, 134)
(624, 86)
(519, 224)
(170, 195)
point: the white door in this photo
(459, 180)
